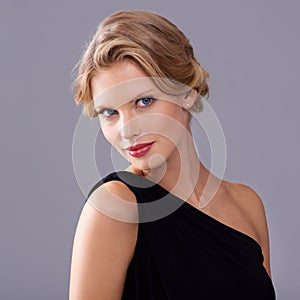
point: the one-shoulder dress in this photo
(190, 255)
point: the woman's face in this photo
(146, 130)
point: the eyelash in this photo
(101, 112)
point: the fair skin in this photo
(104, 246)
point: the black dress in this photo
(190, 255)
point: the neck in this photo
(182, 174)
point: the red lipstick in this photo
(140, 149)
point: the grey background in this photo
(250, 48)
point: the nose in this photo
(130, 128)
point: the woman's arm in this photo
(102, 250)
(262, 227)
(255, 209)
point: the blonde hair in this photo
(148, 40)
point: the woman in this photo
(182, 250)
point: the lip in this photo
(138, 146)
(139, 149)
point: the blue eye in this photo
(145, 101)
(142, 102)
(107, 112)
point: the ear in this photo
(189, 98)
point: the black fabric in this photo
(190, 255)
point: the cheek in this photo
(109, 133)
(170, 127)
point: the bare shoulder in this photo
(252, 206)
(104, 244)
(114, 199)
(117, 188)
(247, 198)
(250, 202)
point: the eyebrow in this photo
(99, 107)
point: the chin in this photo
(155, 164)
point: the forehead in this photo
(119, 73)
(126, 82)
(120, 84)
